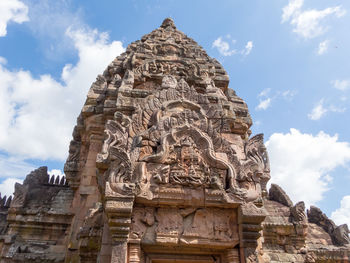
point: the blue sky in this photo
(289, 60)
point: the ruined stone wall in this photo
(37, 221)
(291, 235)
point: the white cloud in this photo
(257, 123)
(318, 111)
(225, 50)
(321, 109)
(14, 167)
(290, 9)
(333, 108)
(248, 48)
(51, 38)
(301, 163)
(266, 96)
(3, 61)
(264, 92)
(341, 84)
(323, 47)
(342, 214)
(223, 47)
(12, 10)
(7, 187)
(55, 172)
(12, 170)
(264, 100)
(288, 94)
(307, 23)
(264, 104)
(37, 115)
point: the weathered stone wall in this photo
(37, 219)
(292, 236)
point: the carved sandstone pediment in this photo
(172, 139)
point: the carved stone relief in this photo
(189, 226)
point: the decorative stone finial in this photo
(168, 22)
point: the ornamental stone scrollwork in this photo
(188, 159)
(174, 136)
(159, 68)
(114, 159)
(116, 170)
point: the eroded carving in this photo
(187, 226)
(277, 194)
(341, 235)
(142, 218)
(298, 213)
(169, 225)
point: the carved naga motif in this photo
(114, 158)
(255, 169)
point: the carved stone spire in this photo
(168, 22)
(176, 166)
(170, 133)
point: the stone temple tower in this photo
(162, 168)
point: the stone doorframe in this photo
(130, 250)
(158, 254)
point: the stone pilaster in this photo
(250, 220)
(118, 209)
